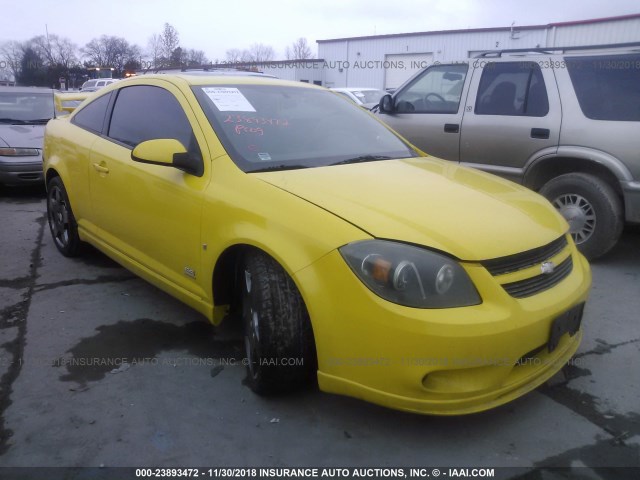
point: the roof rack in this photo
(549, 50)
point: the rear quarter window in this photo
(607, 87)
(91, 117)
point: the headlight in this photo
(410, 276)
(19, 152)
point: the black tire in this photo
(592, 208)
(62, 223)
(279, 343)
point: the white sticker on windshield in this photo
(228, 99)
(265, 157)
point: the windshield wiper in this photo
(362, 158)
(274, 168)
(37, 121)
(15, 121)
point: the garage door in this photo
(399, 67)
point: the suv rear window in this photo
(607, 87)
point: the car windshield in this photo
(276, 127)
(26, 107)
(369, 96)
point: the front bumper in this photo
(631, 191)
(26, 172)
(447, 361)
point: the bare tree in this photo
(234, 55)
(65, 51)
(299, 50)
(108, 51)
(196, 58)
(12, 53)
(55, 50)
(258, 53)
(170, 40)
(42, 46)
(154, 51)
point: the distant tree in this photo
(11, 54)
(196, 58)
(55, 51)
(65, 52)
(258, 53)
(164, 49)
(32, 69)
(169, 41)
(154, 51)
(233, 55)
(299, 50)
(178, 58)
(132, 65)
(109, 51)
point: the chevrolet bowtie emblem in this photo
(547, 268)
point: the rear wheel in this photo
(591, 207)
(62, 223)
(278, 338)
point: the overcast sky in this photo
(216, 26)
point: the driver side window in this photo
(437, 90)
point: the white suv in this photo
(97, 84)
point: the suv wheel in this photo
(279, 341)
(592, 208)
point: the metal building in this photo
(386, 61)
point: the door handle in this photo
(451, 128)
(542, 133)
(100, 168)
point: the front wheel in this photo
(278, 337)
(62, 223)
(591, 207)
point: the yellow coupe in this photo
(350, 257)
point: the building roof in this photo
(490, 29)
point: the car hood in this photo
(467, 213)
(25, 136)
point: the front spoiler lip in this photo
(464, 406)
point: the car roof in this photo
(213, 79)
(27, 90)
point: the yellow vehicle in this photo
(349, 256)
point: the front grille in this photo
(520, 261)
(539, 283)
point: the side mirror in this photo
(167, 152)
(386, 104)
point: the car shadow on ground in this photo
(24, 194)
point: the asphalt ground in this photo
(185, 403)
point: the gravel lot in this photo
(180, 407)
